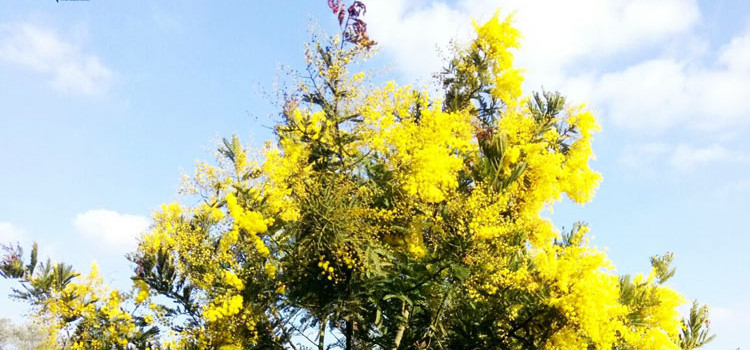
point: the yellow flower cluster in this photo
(251, 222)
(660, 318)
(142, 291)
(345, 256)
(583, 290)
(415, 240)
(484, 206)
(281, 167)
(496, 39)
(579, 181)
(231, 279)
(93, 305)
(327, 269)
(424, 145)
(270, 270)
(224, 307)
(167, 224)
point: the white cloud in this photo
(118, 231)
(649, 95)
(65, 66)
(663, 93)
(643, 156)
(680, 157)
(685, 157)
(10, 234)
(736, 54)
(638, 62)
(556, 33)
(411, 33)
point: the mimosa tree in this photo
(380, 218)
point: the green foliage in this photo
(380, 219)
(661, 265)
(695, 329)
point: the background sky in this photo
(104, 105)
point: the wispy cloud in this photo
(10, 234)
(741, 187)
(686, 157)
(681, 157)
(65, 66)
(112, 229)
(642, 156)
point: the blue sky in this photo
(104, 105)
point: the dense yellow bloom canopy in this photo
(394, 220)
